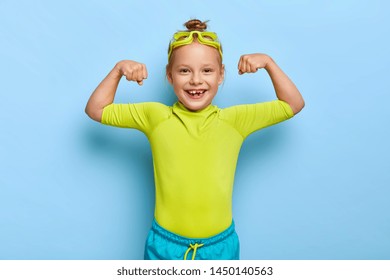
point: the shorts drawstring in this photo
(162, 244)
(192, 247)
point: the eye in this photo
(184, 70)
(208, 70)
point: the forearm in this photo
(105, 92)
(103, 95)
(285, 89)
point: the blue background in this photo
(314, 187)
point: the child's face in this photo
(195, 74)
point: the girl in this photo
(195, 144)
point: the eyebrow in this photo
(204, 65)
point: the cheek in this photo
(178, 81)
(216, 81)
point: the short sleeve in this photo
(251, 117)
(141, 116)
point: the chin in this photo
(194, 107)
(195, 104)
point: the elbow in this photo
(298, 106)
(94, 114)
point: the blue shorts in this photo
(165, 245)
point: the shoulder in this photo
(267, 107)
(146, 107)
(248, 118)
(135, 115)
(155, 107)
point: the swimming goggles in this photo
(182, 38)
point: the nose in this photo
(196, 79)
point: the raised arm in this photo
(285, 89)
(104, 94)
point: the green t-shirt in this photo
(194, 157)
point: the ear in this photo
(168, 73)
(221, 74)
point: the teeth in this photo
(196, 92)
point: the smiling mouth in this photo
(196, 93)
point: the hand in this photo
(250, 63)
(132, 70)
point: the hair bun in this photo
(196, 24)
